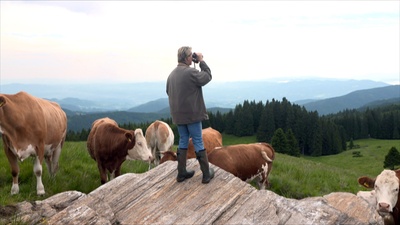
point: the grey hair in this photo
(183, 53)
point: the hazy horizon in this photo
(269, 80)
(222, 94)
(137, 41)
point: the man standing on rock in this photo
(188, 110)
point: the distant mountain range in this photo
(353, 100)
(356, 99)
(158, 109)
(151, 96)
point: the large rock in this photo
(155, 197)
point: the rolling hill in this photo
(152, 106)
(354, 100)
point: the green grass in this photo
(233, 140)
(373, 152)
(77, 171)
(290, 176)
(315, 176)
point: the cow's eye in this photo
(376, 187)
(396, 190)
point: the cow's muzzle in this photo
(384, 209)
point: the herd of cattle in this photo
(36, 127)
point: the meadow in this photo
(290, 177)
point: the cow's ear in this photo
(2, 101)
(129, 137)
(366, 182)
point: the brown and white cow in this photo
(31, 126)
(246, 161)
(211, 139)
(160, 138)
(110, 145)
(386, 186)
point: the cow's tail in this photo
(268, 146)
(156, 124)
(265, 156)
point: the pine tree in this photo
(279, 141)
(243, 120)
(229, 123)
(257, 110)
(262, 127)
(396, 124)
(219, 123)
(392, 159)
(293, 144)
(270, 122)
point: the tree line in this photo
(379, 123)
(291, 129)
(299, 131)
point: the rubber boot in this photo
(208, 173)
(182, 172)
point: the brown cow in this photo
(110, 145)
(35, 127)
(386, 186)
(160, 138)
(211, 139)
(246, 161)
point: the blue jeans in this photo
(194, 131)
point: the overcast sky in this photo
(137, 41)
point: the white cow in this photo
(159, 138)
(386, 186)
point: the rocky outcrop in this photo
(155, 197)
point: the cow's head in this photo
(168, 156)
(140, 151)
(386, 186)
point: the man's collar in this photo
(182, 64)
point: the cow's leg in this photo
(54, 160)
(257, 179)
(48, 156)
(12, 159)
(117, 171)
(156, 156)
(264, 178)
(48, 163)
(112, 175)
(103, 173)
(266, 182)
(153, 152)
(262, 183)
(37, 169)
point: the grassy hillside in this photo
(291, 177)
(370, 163)
(315, 176)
